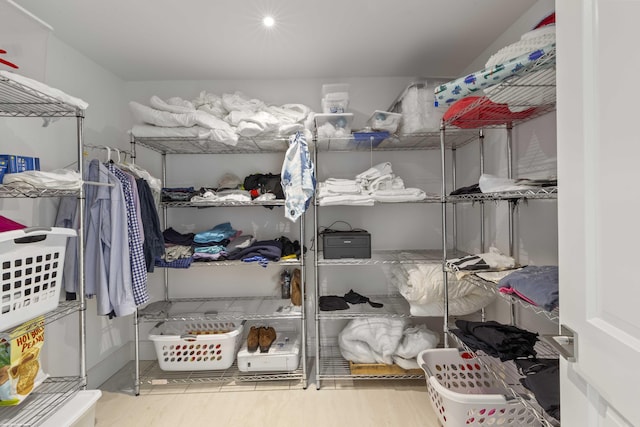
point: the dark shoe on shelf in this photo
(253, 339)
(267, 337)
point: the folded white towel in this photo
(347, 199)
(403, 195)
(59, 179)
(375, 172)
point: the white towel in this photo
(59, 179)
(375, 172)
(347, 199)
(404, 195)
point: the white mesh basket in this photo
(196, 345)
(32, 260)
(464, 393)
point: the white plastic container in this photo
(464, 393)
(32, 261)
(384, 121)
(333, 125)
(283, 355)
(79, 411)
(335, 98)
(196, 345)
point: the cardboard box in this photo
(20, 370)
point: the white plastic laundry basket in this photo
(463, 393)
(196, 345)
(32, 260)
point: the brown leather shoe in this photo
(253, 339)
(267, 337)
(296, 287)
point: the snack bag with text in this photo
(20, 370)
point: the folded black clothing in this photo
(509, 342)
(172, 236)
(471, 189)
(289, 247)
(223, 242)
(332, 303)
(270, 249)
(543, 379)
(355, 298)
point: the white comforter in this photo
(422, 285)
(381, 340)
(224, 118)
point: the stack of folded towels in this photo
(376, 184)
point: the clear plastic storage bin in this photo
(464, 393)
(196, 345)
(32, 260)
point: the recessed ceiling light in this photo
(268, 21)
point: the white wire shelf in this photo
(64, 308)
(552, 316)
(418, 141)
(429, 199)
(387, 257)
(224, 308)
(41, 403)
(506, 373)
(18, 100)
(187, 145)
(13, 192)
(229, 263)
(332, 366)
(528, 81)
(154, 376)
(277, 202)
(540, 193)
(394, 306)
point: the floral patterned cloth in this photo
(448, 93)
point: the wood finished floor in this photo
(369, 403)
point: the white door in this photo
(598, 66)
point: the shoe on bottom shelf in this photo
(266, 338)
(253, 338)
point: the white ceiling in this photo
(224, 39)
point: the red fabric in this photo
(7, 225)
(549, 20)
(476, 112)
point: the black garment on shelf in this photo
(505, 342)
(223, 242)
(264, 183)
(289, 247)
(172, 236)
(153, 245)
(542, 377)
(355, 298)
(332, 303)
(269, 249)
(471, 189)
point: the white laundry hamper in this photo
(463, 393)
(196, 345)
(31, 262)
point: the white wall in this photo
(105, 123)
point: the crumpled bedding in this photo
(422, 285)
(224, 118)
(384, 340)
